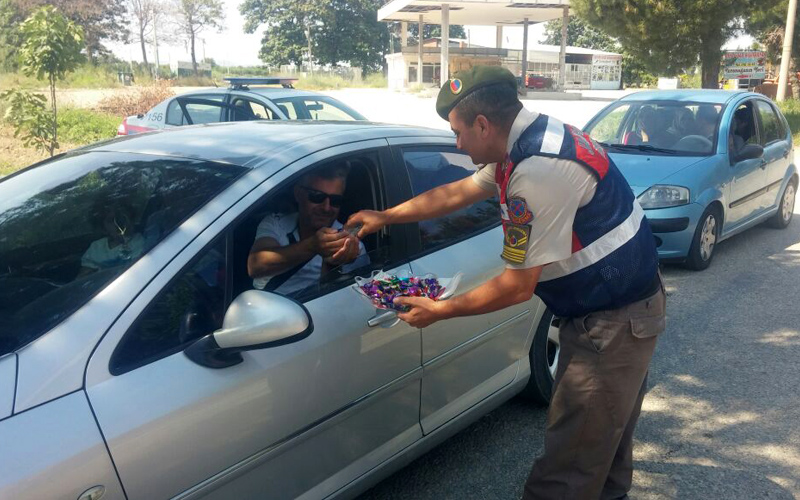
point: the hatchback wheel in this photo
(783, 218)
(705, 240)
(544, 360)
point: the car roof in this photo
(689, 95)
(268, 92)
(252, 143)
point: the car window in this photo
(316, 108)
(195, 109)
(610, 128)
(671, 127)
(429, 167)
(742, 130)
(190, 307)
(320, 199)
(245, 110)
(72, 225)
(770, 128)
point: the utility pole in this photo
(786, 58)
(308, 36)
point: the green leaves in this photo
(51, 44)
(341, 31)
(31, 120)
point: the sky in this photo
(232, 47)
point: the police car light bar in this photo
(242, 82)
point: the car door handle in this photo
(786, 153)
(763, 164)
(381, 318)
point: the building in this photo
(585, 68)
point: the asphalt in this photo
(720, 420)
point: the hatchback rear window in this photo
(70, 226)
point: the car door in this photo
(295, 420)
(777, 149)
(464, 359)
(245, 109)
(748, 177)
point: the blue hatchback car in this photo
(704, 164)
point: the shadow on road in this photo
(720, 418)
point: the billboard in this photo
(744, 64)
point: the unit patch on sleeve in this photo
(518, 211)
(515, 242)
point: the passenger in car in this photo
(706, 122)
(121, 244)
(293, 250)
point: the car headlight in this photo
(664, 196)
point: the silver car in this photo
(137, 361)
(245, 99)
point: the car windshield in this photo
(316, 108)
(70, 226)
(659, 127)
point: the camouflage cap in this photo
(465, 82)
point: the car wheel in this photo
(544, 360)
(785, 208)
(705, 240)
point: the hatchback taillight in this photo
(123, 127)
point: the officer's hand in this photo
(347, 253)
(328, 241)
(423, 311)
(370, 220)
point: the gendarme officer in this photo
(573, 234)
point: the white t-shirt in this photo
(279, 227)
(552, 188)
(100, 256)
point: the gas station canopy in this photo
(474, 12)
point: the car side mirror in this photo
(254, 320)
(749, 152)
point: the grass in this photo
(83, 126)
(334, 82)
(85, 77)
(76, 127)
(791, 110)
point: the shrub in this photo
(136, 100)
(83, 126)
(32, 121)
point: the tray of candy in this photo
(381, 288)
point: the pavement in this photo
(721, 416)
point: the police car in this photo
(241, 101)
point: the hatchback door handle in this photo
(381, 318)
(786, 153)
(763, 164)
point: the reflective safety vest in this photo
(614, 260)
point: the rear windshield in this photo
(70, 226)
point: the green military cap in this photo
(465, 82)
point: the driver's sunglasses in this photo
(318, 197)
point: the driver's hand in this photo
(347, 253)
(328, 241)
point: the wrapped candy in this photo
(382, 288)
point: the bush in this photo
(137, 100)
(82, 126)
(376, 81)
(791, 110)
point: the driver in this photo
(292, 251)
(706, 122)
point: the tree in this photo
(51, 48)
(768, 26)
(433, 31)
(194, 16)
(668, 37)
(339, 31)
(143, 12)
(99, 19)
(579, 34)
(10, 19)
